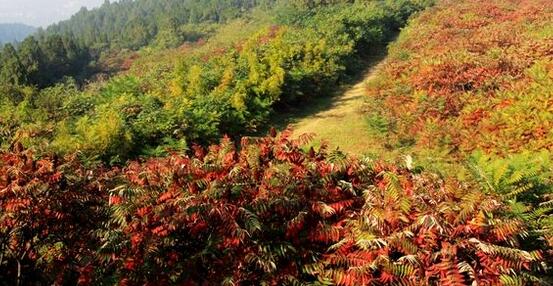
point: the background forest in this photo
(132, 151)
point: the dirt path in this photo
(342, 123)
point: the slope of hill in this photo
(14, 32)
(216, 87)
(81, 46)
(471, 75)
(76, 210)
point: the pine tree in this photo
(12, 71)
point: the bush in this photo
(265, 212)
(50, 209)
(416, 229)
(468, 82)
(248, 216)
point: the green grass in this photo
(338, 119)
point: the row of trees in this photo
(135, 24)
(42, 62)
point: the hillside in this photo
(453, 86)
(135, 24)
(481, 80)
(10, 33)
(147, 143)
(227, 84)
(84, 45)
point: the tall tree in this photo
(12, 71)
(56, 57)
(31, 57)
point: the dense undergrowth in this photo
(467, 91)
(470, 75)
(461, 92)
(266, 213)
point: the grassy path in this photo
(338, 119)
(343, 124)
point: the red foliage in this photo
(48, 212)
(128, 62)
(456, 64)
(440, 233)
(264, 212)
(250, 215)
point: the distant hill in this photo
(11, 32)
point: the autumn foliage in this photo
(257, 214)
(49, 210)
(266, 211)
(469, 75)
(417, 229)
(463, 76)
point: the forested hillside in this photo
(226, 84)
(130, 151)
(10, 33)
(77, 47)
(163, 23)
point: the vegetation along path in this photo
(338, 119)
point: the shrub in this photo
(248, 216)
(265, 212)
(417, 229)
(50, 209)
(470, 75)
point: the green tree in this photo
(30, 55)
(169, 35)
(12, 71)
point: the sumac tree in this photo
(241, 216)
(50, 209)
(417, 229)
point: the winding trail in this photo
(343, 123)
(338, 119)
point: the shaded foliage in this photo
(50, 209)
